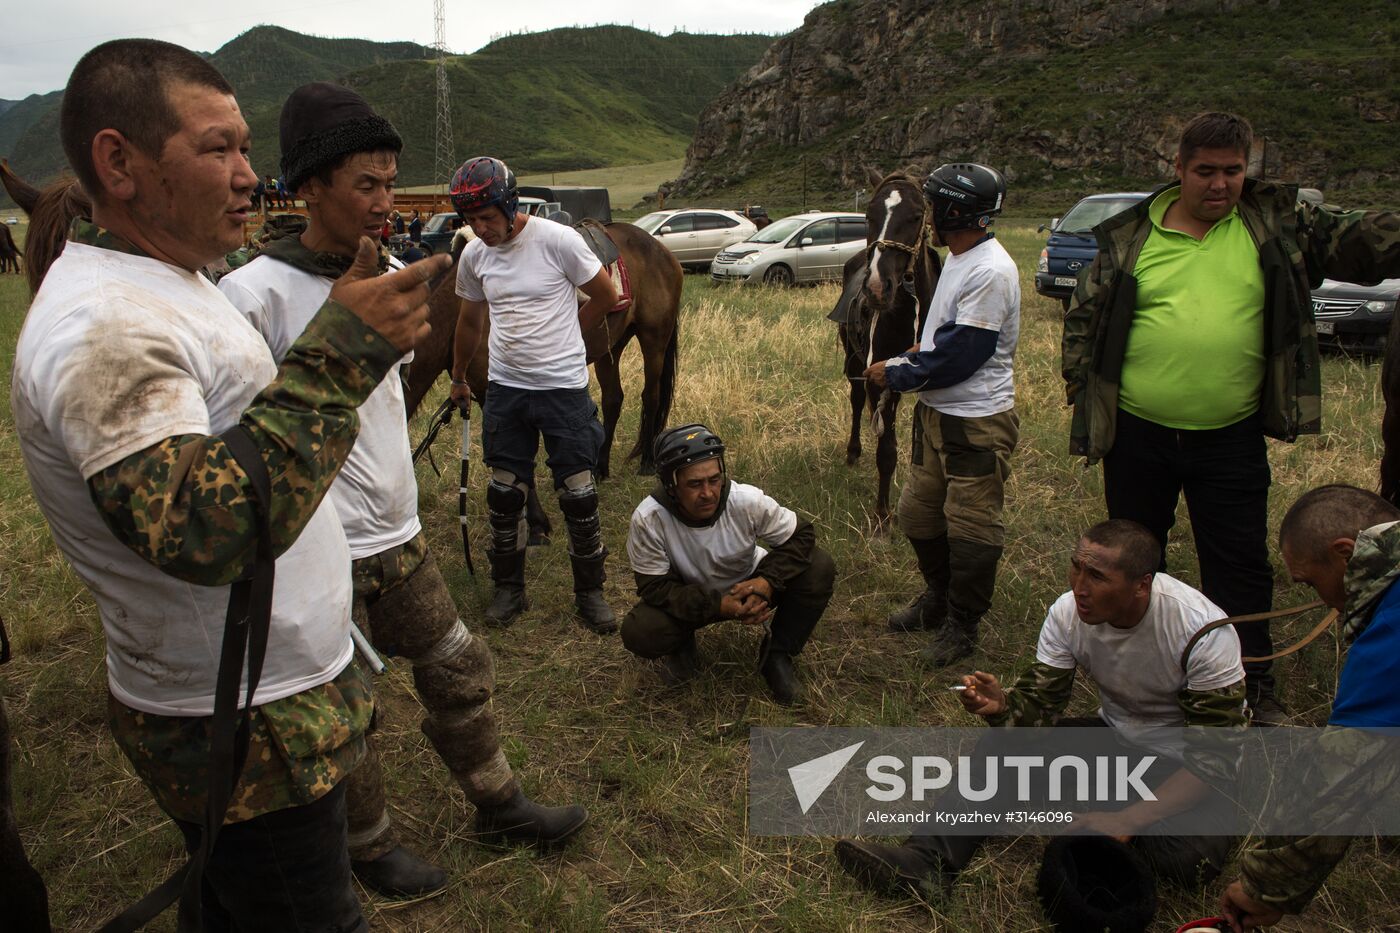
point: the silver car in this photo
(803, 248)
(695, 235)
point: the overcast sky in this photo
(39, 46)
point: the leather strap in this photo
(1264, 617)
(245, 634)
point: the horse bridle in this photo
(913, 251)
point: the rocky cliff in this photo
(1063, 95)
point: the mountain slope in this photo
(1063, 95)
(563, 99)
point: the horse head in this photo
(51, 212)
(895, 221)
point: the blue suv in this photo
(1072, 247)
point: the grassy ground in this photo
(663, 772)
(626, 184)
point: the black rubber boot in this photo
(972, 580)
(508, 575)
(929, 610)
(679, 666)
(521, 821)
(781, 677)
(893, 870)
(590, 606)
(399, 873)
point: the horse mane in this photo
(53, 213)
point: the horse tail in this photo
(665, 393)
(55, 209)
(1390, 423)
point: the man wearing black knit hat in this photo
(341, 158)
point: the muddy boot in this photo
(521, 821)
(589, 605)
(894, 870)
(929, 610)
(781, 677)
(971, 582)
(508, 575)
(399, 873)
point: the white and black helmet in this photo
(964, 196)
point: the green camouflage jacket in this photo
(1299, 245)
(1286, 872)
(185, 506)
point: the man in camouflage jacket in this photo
(129, 373)
(1345, 543)
(1191, 339)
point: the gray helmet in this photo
(964, 196)
(682, 446)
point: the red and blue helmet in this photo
(484, 182)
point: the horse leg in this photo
(535, 517)
(655, 360)
(610, 381)
(857, 411)
(886, 457)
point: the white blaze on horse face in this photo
(891, 202)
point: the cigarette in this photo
(958, 687)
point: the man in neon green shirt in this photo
(1191, 339)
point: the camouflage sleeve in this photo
(1076, 340)
(1037, 697)
(1353, 246)
(1350, 770)
(1215, 723)
(184, 504)
(688, 602)
(786, 561)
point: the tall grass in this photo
(663, 771)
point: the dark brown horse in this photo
(652, 319)
(887, 290)
(9, 252)
(50, 212)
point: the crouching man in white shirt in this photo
(694, 548)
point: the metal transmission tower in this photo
(442, 149)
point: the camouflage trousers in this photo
(957, 481)
(402, 605)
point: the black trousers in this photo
(288, 871)
(1225, 475)
(1189, 861)
(649, 632)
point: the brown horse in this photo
(652, 318)
(887, 291)
(50, 212)
(9, 252)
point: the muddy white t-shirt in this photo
(716, 556)
(529, 282)
(119, 352)
(1138, 670)
(977, 288)
(376, 494)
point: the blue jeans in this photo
(514, 419)
(288, 870)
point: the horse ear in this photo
(874, 176)
(24, 194)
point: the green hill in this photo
(557, 100)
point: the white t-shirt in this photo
(376, 494)
(716, 556)
(1138, 670)
(978, 288)
(119, 352)
(529, 282)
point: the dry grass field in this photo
(663, 772)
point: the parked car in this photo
(801, 248)
(438, 231)
(1071, 246)
(696, 235)
(12, 221)
(1354, 318)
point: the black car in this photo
(1354, 318)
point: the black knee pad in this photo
(505, 505)
(505, 498)
(580, 507)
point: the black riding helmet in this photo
(484, 182)
(682, 446)
(964, 196)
